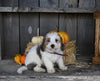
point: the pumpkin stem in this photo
(57, 28)
(38, 30)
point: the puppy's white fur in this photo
(47, 58)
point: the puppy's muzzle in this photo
(52, 45)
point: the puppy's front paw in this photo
(39, 69)
(19, 71)
(42, 70)
(64, 68)
(51, 70)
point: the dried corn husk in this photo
(35, 40)
(29, 46)
(70, 50)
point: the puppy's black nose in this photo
(52, 45)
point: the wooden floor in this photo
(9, 68)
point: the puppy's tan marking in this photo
(46, 42)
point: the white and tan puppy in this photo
(44, 54)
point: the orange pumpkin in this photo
(23, 59)
(63, 35)
(17, 58)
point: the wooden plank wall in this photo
(10, 34)
(68, 22)
(0, 36)
(19, 28)
(86, 29)
(97, 2)
(48, 21)
(29, 22)
(49, 3)
(9, 3)
(28, 28)
(10, 29)
(80, 27)
(86, 3)
(86, 33)
(28, 3)
(68, 3)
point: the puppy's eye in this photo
(56, 40)
(48, 40)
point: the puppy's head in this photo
(52, 43)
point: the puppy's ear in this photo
(42, 45)
(62, 45)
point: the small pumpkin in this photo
(17, 59)
(63, 35)
(23, 59)
(37, 39)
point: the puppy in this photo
(44, 54)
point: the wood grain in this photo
(96, 59)
(68, 23)
(97, 37)
(28, 3)
(0, 36)
(97, 5)
(96, 15)
(46, 10)
(86, 34)
(99, 40)
(28, 28)
(49, 3)
(10, 35)
(48, 22)
(86, 3)
(68, 3)
(0, 3)
(9, 3)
